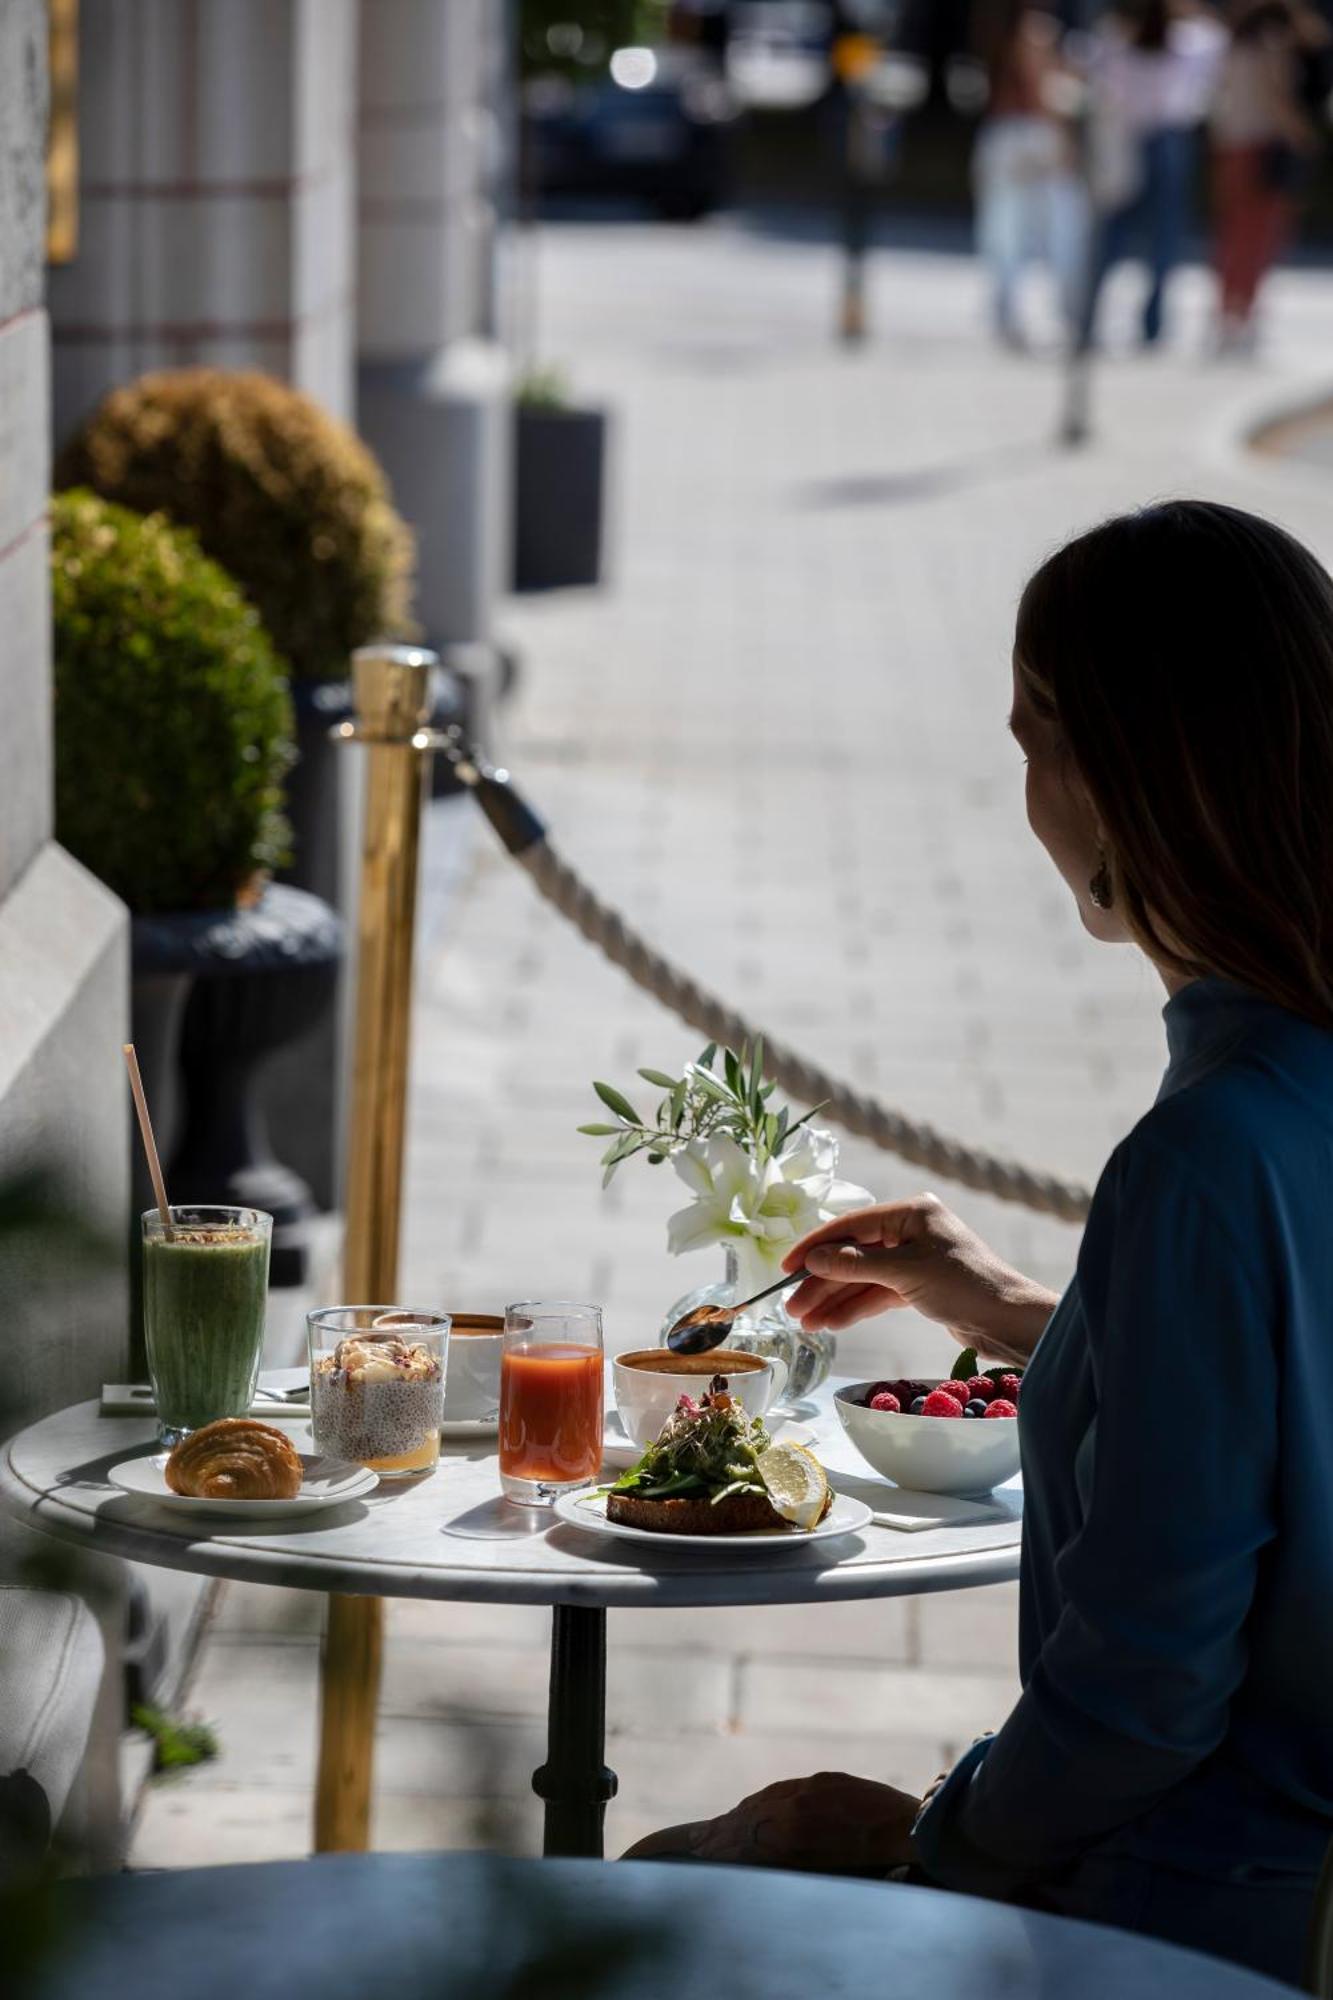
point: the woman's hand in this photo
(831, 1824)
(917, 1253)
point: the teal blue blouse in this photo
(1176, 1620)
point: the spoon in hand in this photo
(710, 1326)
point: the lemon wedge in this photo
(795, 1483)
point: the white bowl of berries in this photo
(958, 1436)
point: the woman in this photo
(1029, 196)
(1263, 141)
(1150, 83)
(1169, 1766)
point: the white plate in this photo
(327, 1483)
(588, 1511)
(470, 1427)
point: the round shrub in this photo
(173, 723)
(287, 499)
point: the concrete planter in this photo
(559, 491)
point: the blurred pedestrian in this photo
(1030, 196)
(863, 136)
(1153, 72)
(1264, 141)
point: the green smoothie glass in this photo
(205, 1298)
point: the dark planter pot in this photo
(298, 1091)
(254, 981)
(315, 788)
(559, 491)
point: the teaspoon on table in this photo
(710, 1326)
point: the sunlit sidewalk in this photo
(777, 740)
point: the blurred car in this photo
(777, 57)
(656, 128)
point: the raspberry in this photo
(981, 1389)
(940, 1404)
(1010, 1386)
(958, 1390)
(885, 1400)
(1001, 1407)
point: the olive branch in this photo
(702, 1103)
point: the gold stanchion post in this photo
(391, 686)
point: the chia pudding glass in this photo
(377, 1386)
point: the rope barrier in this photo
(920, 1145)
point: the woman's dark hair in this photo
(1185, 655)
(1256, 20)
(1149, 23)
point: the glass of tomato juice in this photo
(550, 1399)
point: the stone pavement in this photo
(777, 739)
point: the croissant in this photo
(235, 1459)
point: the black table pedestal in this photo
(574, 1781)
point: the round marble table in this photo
(454, 1536)
(428, 1927)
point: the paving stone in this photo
(412, 1822)
(262, 1698)
(183, 1825)
(976, 1629)
(858, 1699)
(261, 1609)
(467, 1624)
(492, 1681)
(874, 1631)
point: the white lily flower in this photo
(759, 1211)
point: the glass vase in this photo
(801, 1360)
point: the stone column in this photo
(63, 981)
(216, 191)
(433, 380)
(217, 163)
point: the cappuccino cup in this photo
(650, 1381)
(472, 1383)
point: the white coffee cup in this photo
(650, 1381)
(472, 1380)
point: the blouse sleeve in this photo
(1132, 1688)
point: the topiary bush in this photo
(173, 724)
(282, 495)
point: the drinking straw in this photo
(149, 1142)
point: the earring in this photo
(1099, 888)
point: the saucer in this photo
(328, 1482)
(469, 1427)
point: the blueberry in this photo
(976, 1408)
(918, 1405)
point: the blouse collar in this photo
(1204, 1022)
